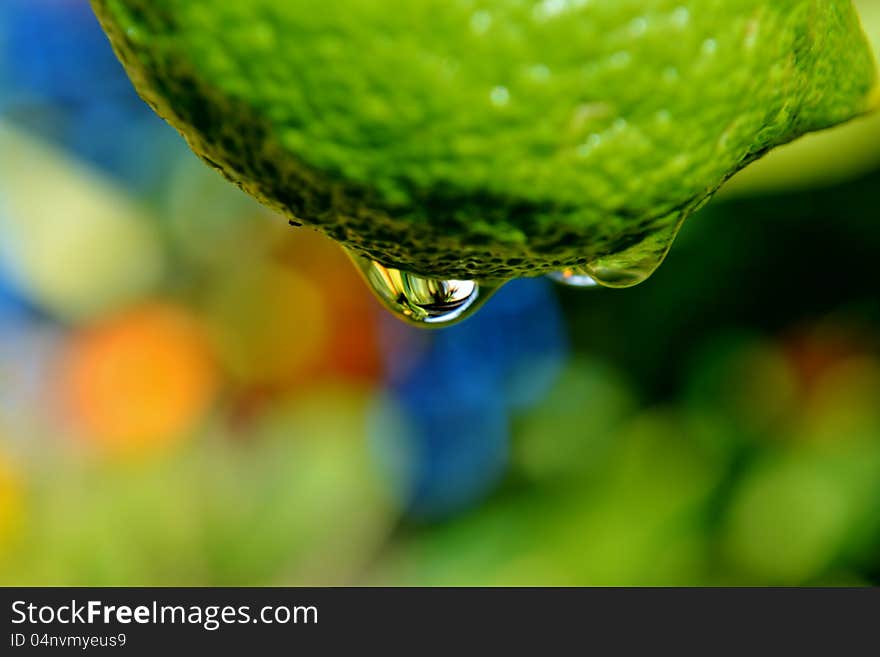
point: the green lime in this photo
(493, 138)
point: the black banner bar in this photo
(327, 621)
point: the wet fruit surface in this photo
(465, 139)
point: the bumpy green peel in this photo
(491, 138)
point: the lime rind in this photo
(474, 139)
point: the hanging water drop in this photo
(636, 264)
(420, 300)
(436, 302)
(611, 274)
(573, 278)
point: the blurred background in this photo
(193, 392)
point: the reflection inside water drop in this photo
(573, 278)
(420, 300)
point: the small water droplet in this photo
(424, 301)
(636, 264)
(613, 275)
(592, 143)
(573, 278)
(681, 16)
(549, 9)
(638, 26)
(539, 73)
(499, 96)
(481, 21)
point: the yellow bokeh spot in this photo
(269, 324)
(11, 503)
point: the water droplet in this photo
(681, 17)
(549, 8)
(539, 73)
(499, 96)
(573, 278)
(614, 275)
(420, 300)
(592, 143)
(638, 26)
(481, 21)
(636, 264)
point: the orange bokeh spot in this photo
(353, 342)
(268, 325)
(140, 380)
(815, 351)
